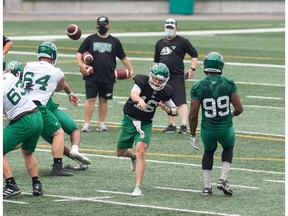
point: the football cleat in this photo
(225, 187)
(37, 189)
(207, 191)
(11, 190)
(137, 192)
(74, 155)
(58, 170)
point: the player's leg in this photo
(227, 140)
(210, 145)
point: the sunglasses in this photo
(172, 23)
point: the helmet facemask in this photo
(158, 76)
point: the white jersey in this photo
(44, 77)
(15, 98)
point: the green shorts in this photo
(128, 134)
(25, 131)
(67, 123)
(50, 124)
(226, 138)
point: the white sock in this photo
(225, 170)
(75, 148)
(207, 178)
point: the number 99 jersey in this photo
(214, 94)
(151, 98)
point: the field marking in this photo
(264, 98)
(166, 162)
(151, 60)
(16, 202)
(91, 199)
(114, 192)
(149, 34)
(240, 186)
(275, 181)
(199, 191)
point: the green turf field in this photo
(173, 178)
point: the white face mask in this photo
(169, 32)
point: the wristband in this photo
(70, 94)
(193, 68)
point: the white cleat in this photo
(101, 127)
(137, 192)
(86, 128)
(80, 157)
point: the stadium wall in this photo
(88, 7)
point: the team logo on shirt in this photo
(102, 47)
(167, 50)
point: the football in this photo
(73, 32)
(121, 73)
(89, 70)
(87, 57)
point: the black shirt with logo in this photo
(104, 51)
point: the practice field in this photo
(254, 55)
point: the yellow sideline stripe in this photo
(43, 146)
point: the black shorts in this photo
(93, 89)
(179, 92)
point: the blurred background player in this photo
(214, 93)
(25, 126)
(104, 49)
(147, 93)
(171, 51)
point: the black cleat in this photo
(225, 187)
(58, 170)
(207, 191)
(11, 190)
(37, 189)
(170, 129)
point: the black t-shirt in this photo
(172, 53)
(104, 51)
(151, 98)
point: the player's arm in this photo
(135, 97)
(61, 84)
(237, 104)
(169, 107)
(193, 115)
(73, 99)
(7, 47)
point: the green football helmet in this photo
(48, 50)
(16, 68)
(213, 63)
(158, 76)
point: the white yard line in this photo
(92, 199)
(16, 202)
(276, 181)
(173, 163)
(149, 34)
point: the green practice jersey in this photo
(214, 94)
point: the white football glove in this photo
(194, 142)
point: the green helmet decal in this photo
(158, 76)
(48, 49)
(213, 63)
(16, 68)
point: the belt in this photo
(18, 117)
(37, 103)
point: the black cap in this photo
(102, 20)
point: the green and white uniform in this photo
(44, 78)
(25, 121)
(214, 94)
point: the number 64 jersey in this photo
(43, 78)
(214, 94)
(15, 98)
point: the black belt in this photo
(37, 103)
(18, 117)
